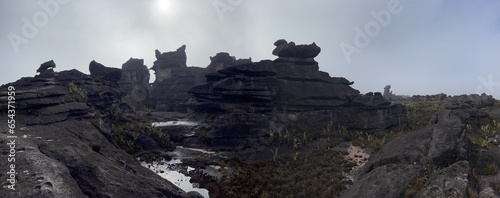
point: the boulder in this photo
(449, 182)
(285, 49)
(106, 73)
(389, 180)
(46, 70)
(47, 66)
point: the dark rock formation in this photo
(47, 66)
(223, 60)
(170, 59)
(291, 88)
(174, 78)
(106, 73)
(134, 82)
(298, 54)
(46, 69)
(64, 149)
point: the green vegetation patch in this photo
(79, 94)
(313, 174)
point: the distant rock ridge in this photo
(174, 78)
(290, 85)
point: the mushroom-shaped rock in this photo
(290, 50)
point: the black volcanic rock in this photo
(107, 73)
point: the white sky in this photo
(429, 47)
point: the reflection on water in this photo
(174, 123)
(171, 170)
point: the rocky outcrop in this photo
(223, 60)
(46, 69)
(289, 89)
(47, 66)
(441, 156)
(134, 82)
(300, 54)
(173, 79)
(64, 145)
(108, 73)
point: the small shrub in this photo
(471, 192)
(416, 185)
(489, 169)
(79, 94)
(479, 142)
(496, 186)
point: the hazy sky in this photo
(419, 46)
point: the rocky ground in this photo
(65, 145)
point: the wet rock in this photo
(194, 194)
